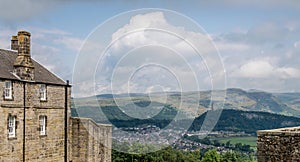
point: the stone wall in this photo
(49, 147)
(11, 148)
(279, 145)
(87, 140)
(90, 141)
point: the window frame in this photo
(8, 90)
(42, 125)
(43, 92)
(11, 126)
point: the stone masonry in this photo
(86, 140)
(279, 145)
(49, 147)
(23, 66)
(89, 141)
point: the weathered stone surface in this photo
(87, 140)
(23, 66)
(14, 43)
(49, 147)
(278, 145)
(90, 141)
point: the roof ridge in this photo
(52, 73)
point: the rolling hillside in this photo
(237, 99)
(259, 101)
(247, 121)
(246, 111)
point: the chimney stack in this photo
(14, 43)
(23, 66)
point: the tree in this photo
(230, 157)
(211, 156)
(228, 144)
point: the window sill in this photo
(8, 99)
(12, 138)
(42, 100)
(45, 135)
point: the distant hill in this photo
(230, 120)
(158, 114)
(237, 99)
(247, 121)
(291, 99)
(259, 101)
(246, 111)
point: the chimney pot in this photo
(14, 42)
(24, 42)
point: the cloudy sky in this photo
(249, 44)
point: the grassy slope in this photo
(244, 140)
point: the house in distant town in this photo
(36, 124)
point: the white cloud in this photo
(268, 58)
(288, 72)
(256, 69)
(70, 42)
(47, 56)
(263, 69)
(46, 34)
(84, 89)
(150, 39)
(153, 28)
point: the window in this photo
(11, 126)
(43, 121)
(43, 92)
(8, 90)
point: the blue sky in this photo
(258, 41)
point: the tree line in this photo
(169, 154)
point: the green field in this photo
(244, 140)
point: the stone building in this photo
(36, 124)
(279, 145)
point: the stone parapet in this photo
(278, 145)
(90, 141)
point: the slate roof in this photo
(41, 74)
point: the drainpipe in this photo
(24, 118)
(66, 121)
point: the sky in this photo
(242, 44)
